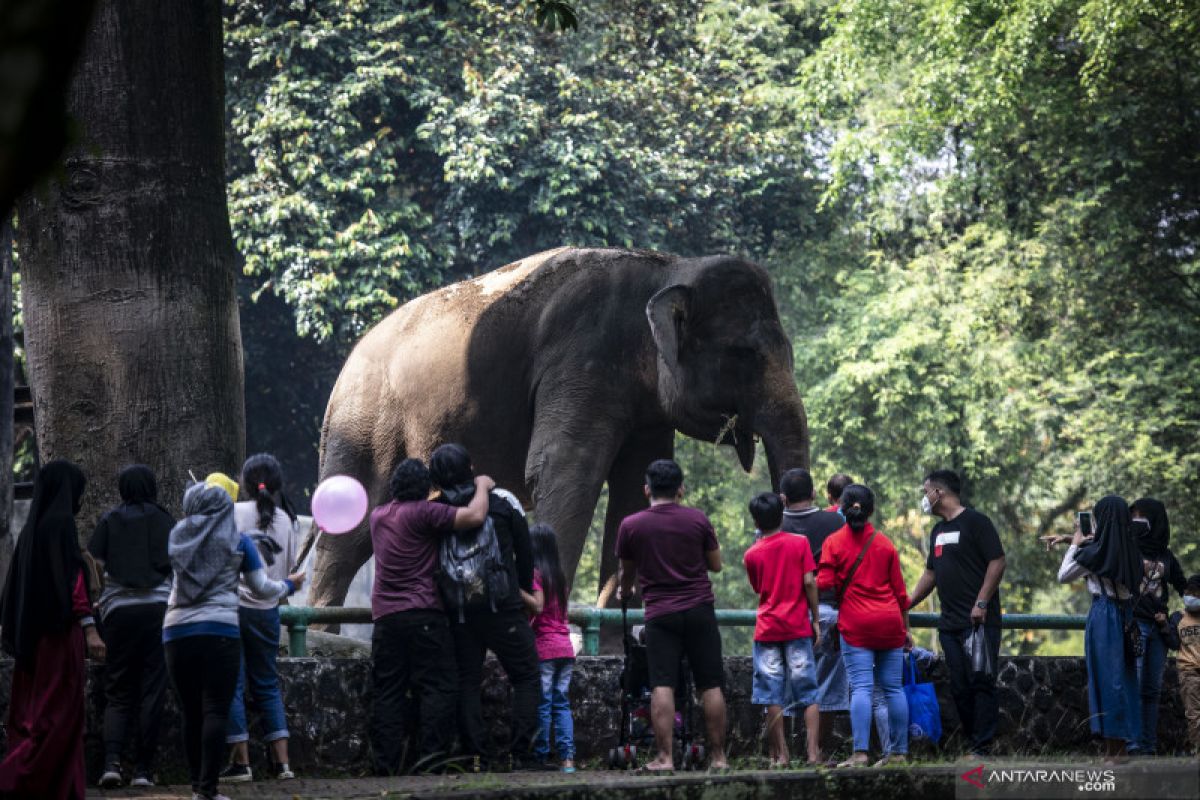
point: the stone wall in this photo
(1043, 710)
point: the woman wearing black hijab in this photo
(130, 544)
(1152, 532)
(1110, 564)
(45, 619)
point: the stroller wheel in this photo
(630, 756)
(612, 758)
(698, 754)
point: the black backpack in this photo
(472, 573)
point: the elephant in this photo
(560, 372)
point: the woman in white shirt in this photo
(1110, 564)
(268, 519)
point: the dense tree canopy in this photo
(981, 216)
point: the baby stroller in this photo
(636, 731)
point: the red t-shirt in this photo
(405, 537)
(668, 543)
(870, 612)
(776, 566)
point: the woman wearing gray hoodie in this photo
(200, 631)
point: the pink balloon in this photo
(339, 504)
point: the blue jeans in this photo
(864, 668)
(1150, 668)
(554, 710)
(258, 677)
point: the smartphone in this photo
(1085, 522)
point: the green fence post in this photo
(298, 635)
(591, 633)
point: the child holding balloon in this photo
(267, 518)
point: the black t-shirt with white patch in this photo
(959, 552)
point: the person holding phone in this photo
(1109, 563)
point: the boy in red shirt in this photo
(780, 567)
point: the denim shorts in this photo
(785, 674)
(833, 688)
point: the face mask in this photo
(1191, 603)
(1139, 525)
(926, 506)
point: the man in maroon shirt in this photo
(670, 549)
(412, 639)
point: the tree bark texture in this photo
(128, 265)
(6, 399)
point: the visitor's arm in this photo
(534, 603)
(628, 576)
(475, 512)
(991, 580)
(256, 578)
(1070, 569)
(713, 557)
(925, 585)
(82, 609)
(522, 551)
(814, 610)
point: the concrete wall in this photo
(1043, 710)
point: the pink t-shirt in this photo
(550, 628)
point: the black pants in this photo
(204, 672)
(974, 695)
(508, 635)
(135, 681)
(412, 664)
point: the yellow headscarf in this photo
(223, 481)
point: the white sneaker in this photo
(283, 772)
(217, 796)
(111, 778)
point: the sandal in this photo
(854, 761)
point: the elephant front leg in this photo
(338, 559)
(565, 470)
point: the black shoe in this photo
(237, 773)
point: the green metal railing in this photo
(590, 620)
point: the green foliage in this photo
(379, 148)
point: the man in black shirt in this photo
(965, 563)
(505, 631)
(802, 517)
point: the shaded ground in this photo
(1176, 778)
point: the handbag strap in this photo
(854, 567)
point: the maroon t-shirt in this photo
(668, 543)
(406, 537)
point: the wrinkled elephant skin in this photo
(560, 372)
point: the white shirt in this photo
(285, 534)
(1072, 570)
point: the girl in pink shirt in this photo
(555, 651)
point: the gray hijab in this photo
(202, 543)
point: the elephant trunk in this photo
(783, 426)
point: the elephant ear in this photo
(668, 312)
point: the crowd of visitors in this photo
(459, 573)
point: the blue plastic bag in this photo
(924, 713)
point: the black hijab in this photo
(1112, 554)
(41, 579)
(134, 544)
(1152, 541)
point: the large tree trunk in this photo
(6, 399)
(127, 262)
